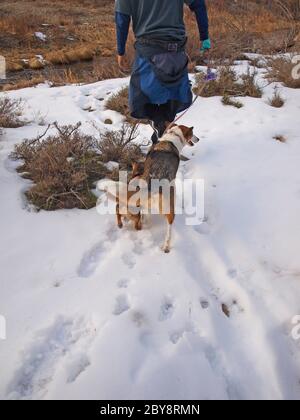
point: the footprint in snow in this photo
(129, 260)
(90, 261)
(121, 306)
(79, 365)
(166, 310)
(123, 283)
(203, 229)
(204, 303)
(43, 357)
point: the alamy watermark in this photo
(181, 197)
(2, 328)
(296, 328)
(296, 69)
(2, 67)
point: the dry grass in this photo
(280, 138)
(119, 102)
(65, 165)
(10, 113)
(23, 83)
(229, 101)
(62, 167)
(119, 146)
(228, 85)
(284, 70)
(83, 31)
(277, 100)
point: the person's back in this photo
(158, 19)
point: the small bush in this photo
(10, 112)
(277, 100)
(65, 165)
(228, 84)
(280, 138)
(229, 101)
(119, 102)
(119, 146)
(282, 70)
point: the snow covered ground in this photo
(97, 313)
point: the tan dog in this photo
(161, 164)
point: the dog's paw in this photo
(120, 225)
(166, 250)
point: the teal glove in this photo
(206, 45)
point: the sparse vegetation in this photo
(119, 146)
(227, 100)
(74, 40)
(228, 85)
(277, 100)
(65, 165)
(280, 138)
(119, 102)
(281, 69)
(10, 113)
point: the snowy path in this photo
(94, 312)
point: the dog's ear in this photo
(187, 132)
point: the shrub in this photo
(227, 100)
(119, 146)
(277, 100)
(228, 84)
(10, 112)
(280, 138)
(282, 70)
(65, 165)
(119, 102)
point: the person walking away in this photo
(159, 87)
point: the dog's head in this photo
(186, 134)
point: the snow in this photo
(97, 313)
(41, 36)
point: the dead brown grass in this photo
(83, 31)
(10, 113)
(119, 146)
(23, 83)
(282, 70)
(65, 165)
(280, 138)
(276, 100)
(228, 85)
(119, 102)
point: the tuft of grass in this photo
(23, 83)
(229, 101)
(277, 100)
(119, 102)
(65, 165)
(36, 64)
(62, 166)
(284, 70)
(10, 113)
(119, 146)
(280, 138)
(228, 84)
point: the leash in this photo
(210, 77)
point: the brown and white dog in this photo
(161, 164)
